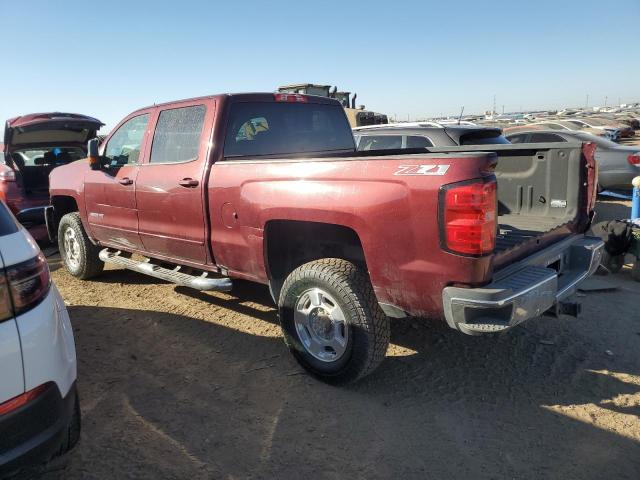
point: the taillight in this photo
(5, 300)
(7, 176)
(290, 97)
(634, 159)
(20, 400)
(468, 217)
(28, 283)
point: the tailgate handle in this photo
(125, 181)
(188, 182)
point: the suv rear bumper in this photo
(523, 290)
(35, 432)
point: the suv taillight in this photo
(7, 176)
(468, 217)
(23, 286)
(634, 159)
(5, 300)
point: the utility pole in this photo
(503, 109)
(494, 104)
(605, 101)
(586, 105)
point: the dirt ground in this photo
(180, 384)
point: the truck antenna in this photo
(460, 117)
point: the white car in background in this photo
(39, 409)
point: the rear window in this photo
(44, 157)
(265, 128)
(483, 138)
(545, 137)
(7, 223)
(380, 142)
(418, 142)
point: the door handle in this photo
(189, 182)
(125, 181)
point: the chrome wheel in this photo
(321, 326)
(71, 248)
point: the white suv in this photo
(39, 412)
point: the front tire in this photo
(79, 255)
(332, 322)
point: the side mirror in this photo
(93, 155)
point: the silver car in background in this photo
(617, 164)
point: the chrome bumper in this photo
(524, 290)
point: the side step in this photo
(199, 282)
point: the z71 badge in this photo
(422, 170)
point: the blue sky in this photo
(413, 59)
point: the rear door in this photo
(170, 184)
(110, 194)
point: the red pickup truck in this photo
(270, 188)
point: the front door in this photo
(170, 186)
(110, 194)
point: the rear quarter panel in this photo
(395, 217)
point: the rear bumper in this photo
(35, 432)
(523, 290)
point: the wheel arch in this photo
(291, 243)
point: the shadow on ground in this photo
(168, 396)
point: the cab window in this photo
(177, 135)
(124, 145)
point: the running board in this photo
(199, 282)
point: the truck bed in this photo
(514, 230)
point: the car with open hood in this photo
(35, 144)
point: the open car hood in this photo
(49, 128)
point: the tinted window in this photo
(177, 135)
(551, 126)
(414, 141)
(545, 137)
(124, 145)
(47, 156)
(265, 128)
(517, 138)
(481, 138)
(7, 223)
(380, 142)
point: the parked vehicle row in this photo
(618, 165)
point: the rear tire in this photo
(79, 255)
(332, 322)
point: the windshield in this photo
(275, 128)
(53, 156)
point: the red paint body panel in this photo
(395, 218)
(163, 201)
